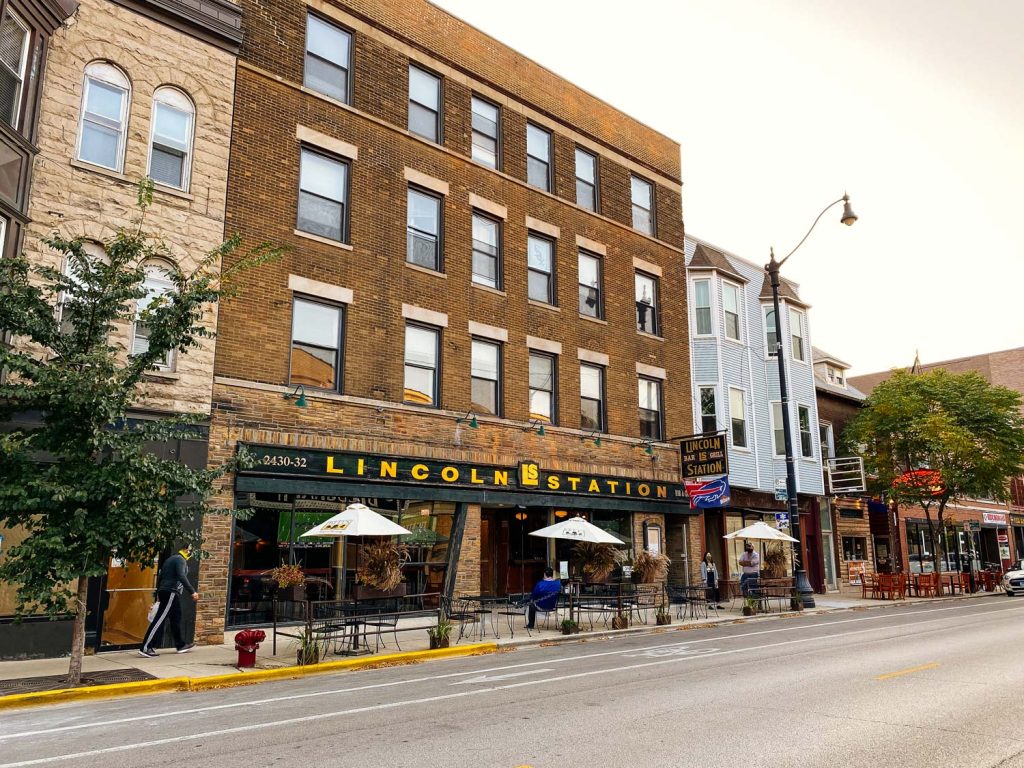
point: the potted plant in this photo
(308, 651)
(440, 634)
(774, 564)
(749, 606)
(796, 601)
(290, 581)
(662, 617)
(380, 569)
(596, 561)
(620, 621)
(569, 627)
(650, 567)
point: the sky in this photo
(915, 108)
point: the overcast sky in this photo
(915, 107)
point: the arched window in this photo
(170, 144)
(157, 283)
(104, 116)
(96, 253)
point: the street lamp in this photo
(772, 268)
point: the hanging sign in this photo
(780, 489)
(709, 494)
(703, 456)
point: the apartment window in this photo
(423, 242)
(170, 149)
(642, 195)
(590, 285)
(650, 409)
(542, 387)
(328, 58)
(425, 104)
(771, 332)
(323, 196)
(731, 306)
(486, 251)
(796, 330)
(538, 157)
(485, 377)
(708, 411)
(778, 433)
(592, 397)
(316, 344)
(803, 417)
(586, 180)
(647, 315)
(738, 417)
(422, 382)
(825, 440)
(486, 119)
(835, 376)
(157, 284)
(702, 307)
(14, 43)
(104, 116)
(96, 255)
(540, 258)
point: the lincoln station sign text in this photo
(528, 476)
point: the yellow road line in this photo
(902, 672)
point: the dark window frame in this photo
(655, 306)
(438, 115)
(498, 257)
(653, 209)
(550, 161)
(346, 203)
(440, 226)
(602, 411)
(600, 308)
(661, 408)
(499, 390)
(701, 388)
(552, 274)
(806, 452)
(554, 383)
(350, 65)
(498, 154)
(339, 374)
(597, 177)
(438, 332)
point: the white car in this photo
(1013, 581)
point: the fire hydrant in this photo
(246, 643)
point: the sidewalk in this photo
(219, 660)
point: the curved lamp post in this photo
(772, 268)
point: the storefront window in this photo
(855, 548)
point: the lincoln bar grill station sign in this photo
(528, 476)
(703, 456)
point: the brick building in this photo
(135, 89)
(471, 311)
(998, 535)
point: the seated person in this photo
(544, 596)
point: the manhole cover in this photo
(55, 682)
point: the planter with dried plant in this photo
(596, 561)
(380, 565)
(650, 567)
(774, 564)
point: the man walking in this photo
(171, 583)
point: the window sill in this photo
(163, 189)
(543, 305)
(99, 169)
(426, 271)
(323, 240)
(488, 289)
(597, 320)
(647, 335)
(166, 377)
(740, 448)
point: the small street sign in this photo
(975, 525)
(782, 520)
(780, 489)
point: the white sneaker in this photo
(185, 648)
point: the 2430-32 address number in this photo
(283, 461)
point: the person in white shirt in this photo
(750, 562)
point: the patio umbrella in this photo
(578, 529)
(759, 531)
(355, 520)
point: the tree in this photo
(934, 438)
(74, 471)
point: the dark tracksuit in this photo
(171, 583)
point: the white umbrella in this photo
(355, 520)
(759, 531)
(578, 529)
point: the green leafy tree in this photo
(934, 438)
(75, 474)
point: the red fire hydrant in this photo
(246, 643)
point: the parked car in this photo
(1013, 581)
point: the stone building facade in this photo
(454, 214)
(136, 89)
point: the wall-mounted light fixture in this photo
(469, 419)
(560, 513)
(594, 435)
(535, 425)
(520, 516)
(299, 393)
(648, 447)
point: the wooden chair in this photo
(868, 587)
(928, 585)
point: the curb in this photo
(182, 684)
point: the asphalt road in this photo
(928, 685)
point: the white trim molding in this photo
(587, 356)
(428, 316)
(487, 331)
(427, 182)
(320, 290)
(322, 140)
(543, 345)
